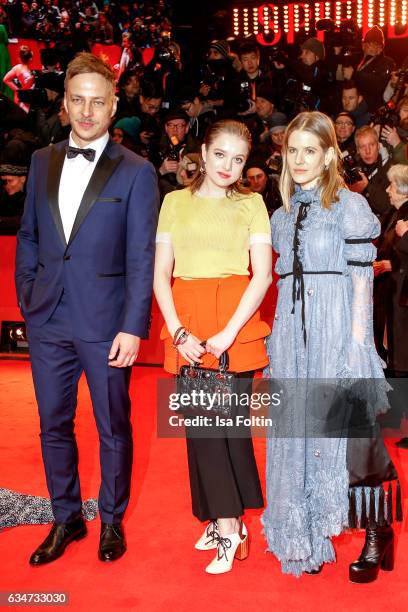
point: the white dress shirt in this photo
(75, 176)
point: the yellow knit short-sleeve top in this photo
(211, 237)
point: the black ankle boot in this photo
(378, 552)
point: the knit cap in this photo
(221, 46)
(315, 46)
(130, 125)
(374, 35)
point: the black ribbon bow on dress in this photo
(305, 198)
(89, 154)
(298, 287)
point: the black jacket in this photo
(372, 77)
(377, 184)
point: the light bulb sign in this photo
(271, 23)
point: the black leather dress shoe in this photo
(55, 543)
(112, 544)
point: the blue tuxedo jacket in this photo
(106, 267)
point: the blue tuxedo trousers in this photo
(58, 359)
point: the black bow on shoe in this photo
(89, 154)
(223, 545)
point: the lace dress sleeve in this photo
(360, 227)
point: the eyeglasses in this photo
(176, 126)
(344, 123)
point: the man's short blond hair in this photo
(365, 130)
(86, 63)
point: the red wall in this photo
(110, 53)
(152, 349)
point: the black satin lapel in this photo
(103, 171)
(57, 157)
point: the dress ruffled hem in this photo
(301, 542)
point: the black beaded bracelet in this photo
(182, 337)
(176, 334)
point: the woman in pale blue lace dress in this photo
(322, 330)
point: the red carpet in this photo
(161, 570)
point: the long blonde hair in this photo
(225, 126)
(331, 179)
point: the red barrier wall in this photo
(151, 350)
(110, 53)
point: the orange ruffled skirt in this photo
(205, 306)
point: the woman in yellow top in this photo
(206, 238)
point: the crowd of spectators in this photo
(98, 21)
(164, 107)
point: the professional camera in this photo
(351, 169)
(399, 88)
(244, 101)
(277, 54)
(299, 97)
(150, 128)
(172, 151)
(164, 57)
(211, 74)
(345, 37)
(385, 115)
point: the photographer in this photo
(201, 116)
(267, 116)
(344, 125)
(45, 104)
(256, 173)
(128, 95)
(12, 196)
(354, 103)
(397, 136)
(217, 75)
(374, 70)
(165, 69)
(399, 79)
(306, 78)
(374, 165)
(246, 84)
(174, 142)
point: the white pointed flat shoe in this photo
(209, 538)
(230, 547)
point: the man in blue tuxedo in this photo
(84, 270)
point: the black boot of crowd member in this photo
(378, 552)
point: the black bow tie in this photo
(89, 154)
